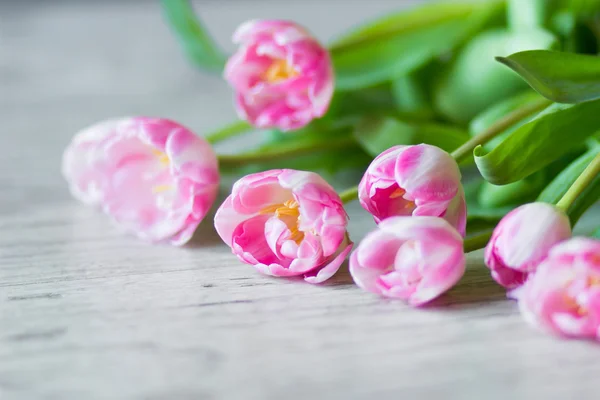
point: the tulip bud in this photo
(522, 240)
(420, 180)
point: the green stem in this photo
(256, 157)
(586, 177)
(498, 127)
(349, 195)
(477, 242)
(229, 131)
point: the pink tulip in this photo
(154, 177)
(522, 240)
(283, 77)
(411, 258)
(286, 223)
(563, 296)
(421, 180)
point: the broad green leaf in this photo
(515, 193)
(313, 134)
(474, 81)
(539, 142)
(561, 77)
(596, 234)
(403, 42)
(349, 162)
(331, 150)
(355, 104)
(377, 134)
(193, 36)
(411, 19)
(525, 190)
(497, 111)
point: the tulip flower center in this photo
(591, 282)
(163, 159)
(410, 268)
(289, 213)
(575, 307)
(406, 204)
(280, 70)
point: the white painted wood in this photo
(88, 314)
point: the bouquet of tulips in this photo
(506, 93)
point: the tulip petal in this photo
(250, 244)
(322, 274)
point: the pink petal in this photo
(322, 274)
(249, 242)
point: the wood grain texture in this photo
(86, 313)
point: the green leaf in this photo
(561, 77)
(403, 42)
(499, 110)
(342, 167)
(331, 151)
(412, 92)
(596, 234)
(377, 134)
(553, 133)
(584, 7)
(515, 193)
(474, 81)
(325, 162)
(193, 36)
(525, 190)
(353, 105)
(563, 181)
(480, 218)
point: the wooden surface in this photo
(86, 313)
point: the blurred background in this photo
(67, 64)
